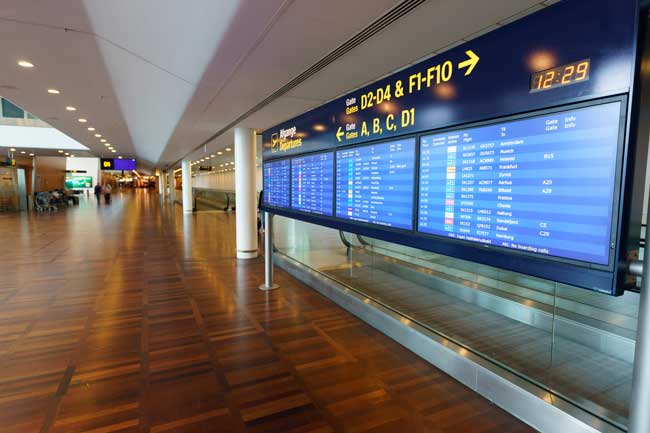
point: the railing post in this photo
(268, 253)
(640, 399)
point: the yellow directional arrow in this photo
(470, 63)
(340, 133)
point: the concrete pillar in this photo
(172, 190)
(245, 200)
(188, 203)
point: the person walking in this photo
(98, 192)
(108, 189)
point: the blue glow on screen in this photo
(312, 183)
(542, 185)
(277, 183)
(374, 183)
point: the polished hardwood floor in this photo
(134, 318)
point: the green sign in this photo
(78, 182)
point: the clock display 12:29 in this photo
(572, 73)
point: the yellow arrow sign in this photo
(340, 133)
(470, 63)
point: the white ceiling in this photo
(159, 77)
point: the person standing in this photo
(98, 192)
(108, 189)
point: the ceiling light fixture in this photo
(113, 150)
(70, 108)
(107, 144)
(67, 154)
(31, 154)
(71, 156)
(90, 128)
(228, 149)
(82, 120)
(25, 64)
(98, 135)
(22, 152)
(103, 140)
(13, 149)
(60, 151)
(119, 157)
(219, 153)
(53, 91)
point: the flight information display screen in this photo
(374, 183)
(312, 183)
(541, 185)
(277, 182)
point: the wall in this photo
(223, 181)
(50, 173)
(89, 165)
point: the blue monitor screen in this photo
(277, 183)
(541, 185)
(374, 183)
(124, 164)
(312, 183)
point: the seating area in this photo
(53, 201)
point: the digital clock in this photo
(572, 73)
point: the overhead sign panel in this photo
(488, 77)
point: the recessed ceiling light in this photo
(60, 151)
(31, 154)
(232, 163)
(71, 156)
(22, 152)
(228, 149)
(220, 165)
(113, 150)
(103, 140)
(98, 135)
(211, 156)
(119, 157)
(219, 153)
(90, 128)
(107, 144)
(12, 149)
(53, 91)
(70, 108)
(25, 64)
(82, 120)
(67, 154)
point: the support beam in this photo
(188, 204)
(245, 200)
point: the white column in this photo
(159, 182)
(245, 200)
(187, 186)
(172, 190)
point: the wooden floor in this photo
(133, 318)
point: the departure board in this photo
(542, 185)
(277, 180)
(312, 183)
(374, 183)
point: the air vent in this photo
(371, 30)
